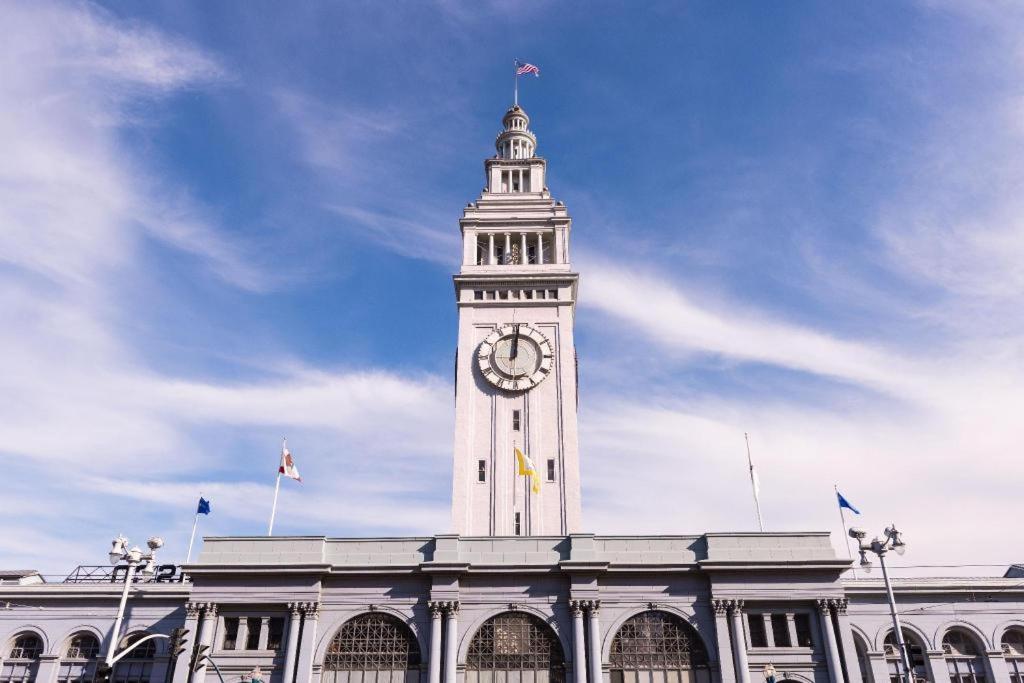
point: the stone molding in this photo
(824, 606)
(310, 609)
(192, 610)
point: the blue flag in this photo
(843, 503)
(204, 506)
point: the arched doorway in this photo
(658, 647)
(1012, 643)
(515, 647)
(372, 648)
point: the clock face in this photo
(515, 357)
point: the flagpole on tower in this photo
(515, 78)
(192, 538)
(842, 516)
(753, 484)
(273, 509)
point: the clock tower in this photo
(515, 382)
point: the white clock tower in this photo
(515, 384)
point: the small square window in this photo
(517, 527)
(541, 294)
(481, 470)
(552, 293)
(516, 420)
(490, 294)
(527, 293)
(478, 294)
(551, 469)
(503, 294)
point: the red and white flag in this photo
(288, 467)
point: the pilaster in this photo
(310, 617)
(726, 668)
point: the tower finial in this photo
(516, 141)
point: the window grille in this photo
(963, 658)
(83, 646)
(657, 640)
(515, 641)
(372, 642)
(27, 646)
(914, 650)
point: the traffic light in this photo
(200, 656)
(102, 673)
(179, 641)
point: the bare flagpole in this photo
(753, 484)
(192, 539)
(277, 488)
(515, 77)
(842, 516)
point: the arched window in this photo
(862, 659)
(78, 665)
(915, 651)
(372, 647)
(137, 666)
(1013, 650)
(515, 642)
(22, 659)
(963, 657)
(658, 646)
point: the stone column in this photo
(791, 627)
(726, 669)
(291, 643)
(879, 667)
(47, 669)
(596, 673)
(451, 634)
(853, 672)
(524, 258)
(490, 249)
(835, 668)
(938, 666)
(579, 643)
(264, 633)
(508, 249)
(998, 671)
(181, 671)
(540, 248)
(436, 613)
(769, 632)
(243, 633)
(739, 643)
(311, 613)
(205, 637)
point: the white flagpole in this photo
(515, 77)
(842, 516)
(192, 539)
(753, 484)
(273, 510)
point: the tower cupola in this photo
(516, 141)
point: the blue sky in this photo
(224, 223)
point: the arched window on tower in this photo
(1013, 651)
(78, 663)
(658, 646)
(915, 651)
(137, 665)
(963, 657)
(372, 648)
(21, 660)
(519, 644)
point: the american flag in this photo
(523, 68)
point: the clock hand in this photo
(515, 344)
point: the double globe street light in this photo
(893, 541)
(119, 552)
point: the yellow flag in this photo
(527, 468)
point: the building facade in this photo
(518, 594)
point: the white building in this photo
(519, 594)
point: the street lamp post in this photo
(893, 541)
(133, 556)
